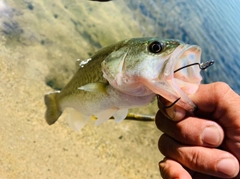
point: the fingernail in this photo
(227, 167)
(211, 136)
(176, 113)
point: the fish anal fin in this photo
(53, 111)
(94, 87)
(120, 114)
(76, 120)
(104, 115)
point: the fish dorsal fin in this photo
(120, 114)
(94, 87)
(104, 115)
(76, 120)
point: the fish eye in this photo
(155, 47)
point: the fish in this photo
(126, 75)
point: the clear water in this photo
(213, 25)
(41, 40)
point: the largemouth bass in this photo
(126, 75)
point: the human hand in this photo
(206, 145)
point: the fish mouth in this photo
(182, 75)
(185, 69)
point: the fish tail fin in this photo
(53, 110)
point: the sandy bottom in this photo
(39, 44)
(32, 149)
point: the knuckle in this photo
(224, 97)
(221, 85)
(192, 158)
(188, 133)
(195, 157)
(221, 89)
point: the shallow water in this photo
(39, 44)
(213, 25)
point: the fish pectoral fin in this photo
(94, 87)
(120, 114)
(104, 115)
(76, 120)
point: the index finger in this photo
(217, 99)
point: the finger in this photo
(171, 169)
(208, 161)
(192, 131)
(232, 145)
(216, 98)
(223, 105)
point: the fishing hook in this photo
(202, 66)
(164, 106)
